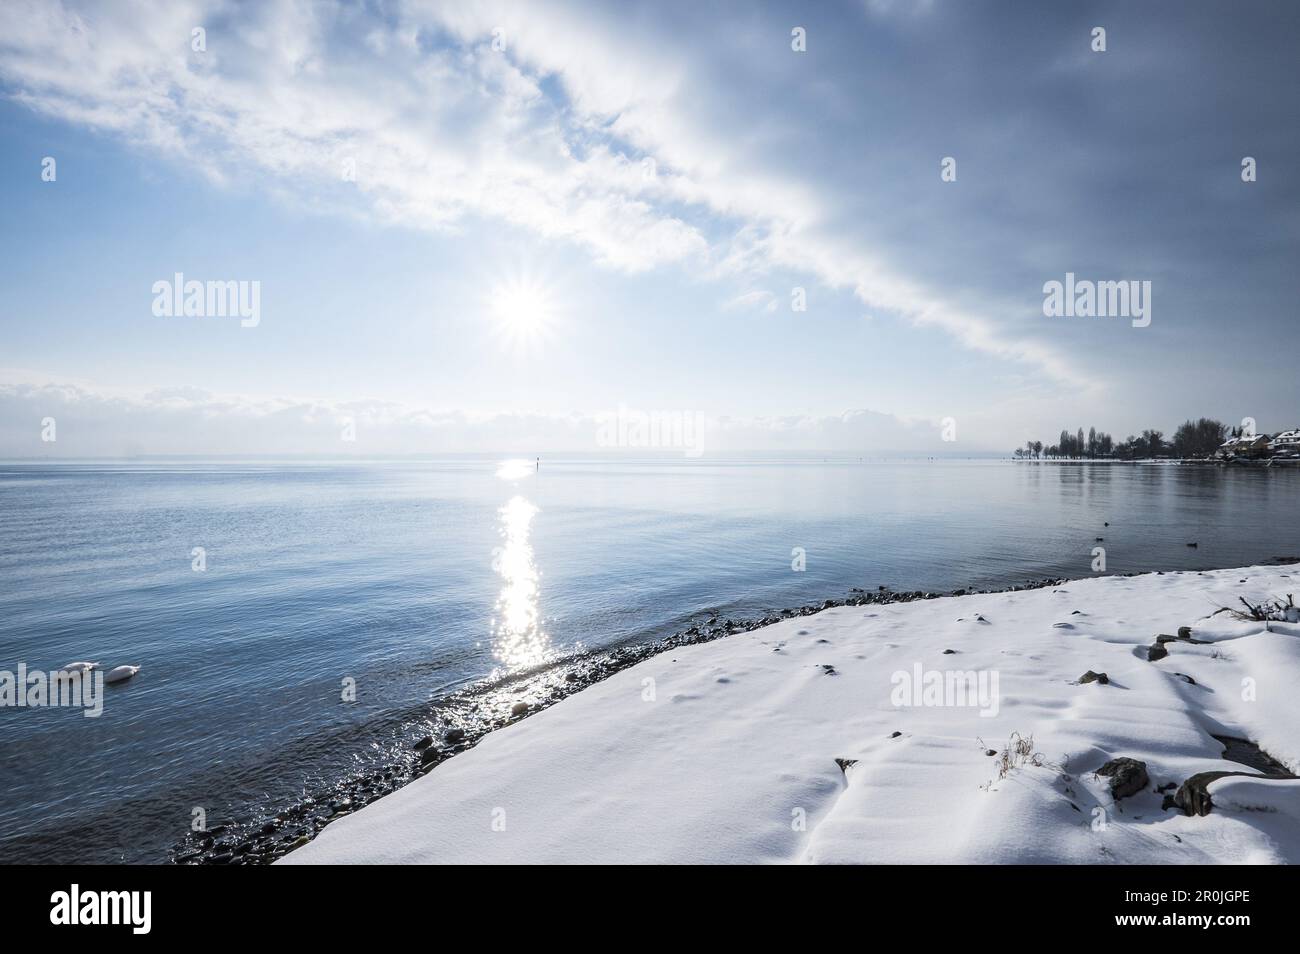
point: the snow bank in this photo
(726, 751)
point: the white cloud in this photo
(90, 420)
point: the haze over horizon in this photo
(480, 227)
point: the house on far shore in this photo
(1286, 444)
(1250, 446)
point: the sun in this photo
(524, 311)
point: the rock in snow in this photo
(1127, 776)
(754, 770)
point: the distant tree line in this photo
(1200, 438)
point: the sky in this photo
(496, 227)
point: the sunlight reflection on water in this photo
(518, 639)
(515, 469)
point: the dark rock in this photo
(1156, 652)
(846, 764)
(1193, 796)
(1091, 676)
(519, 708)
(424, 743)
(894, 735)
(829, 670)
(949, 652)
(1185, 678)
(1193, 545)
(1127, 776)
(452, 736)
(429, 755)
(1164, 638)
(990, 751)
(1184, 632)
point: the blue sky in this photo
(503, 267)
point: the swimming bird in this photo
(80, 667)
(120, 673)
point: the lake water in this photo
(416, 579)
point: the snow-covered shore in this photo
(727, 751)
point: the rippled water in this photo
(414, 579)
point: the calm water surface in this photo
(416, 579)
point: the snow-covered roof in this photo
(1288, 436)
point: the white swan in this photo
(120, 673)
(80, 667)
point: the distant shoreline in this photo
(1265, 462)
